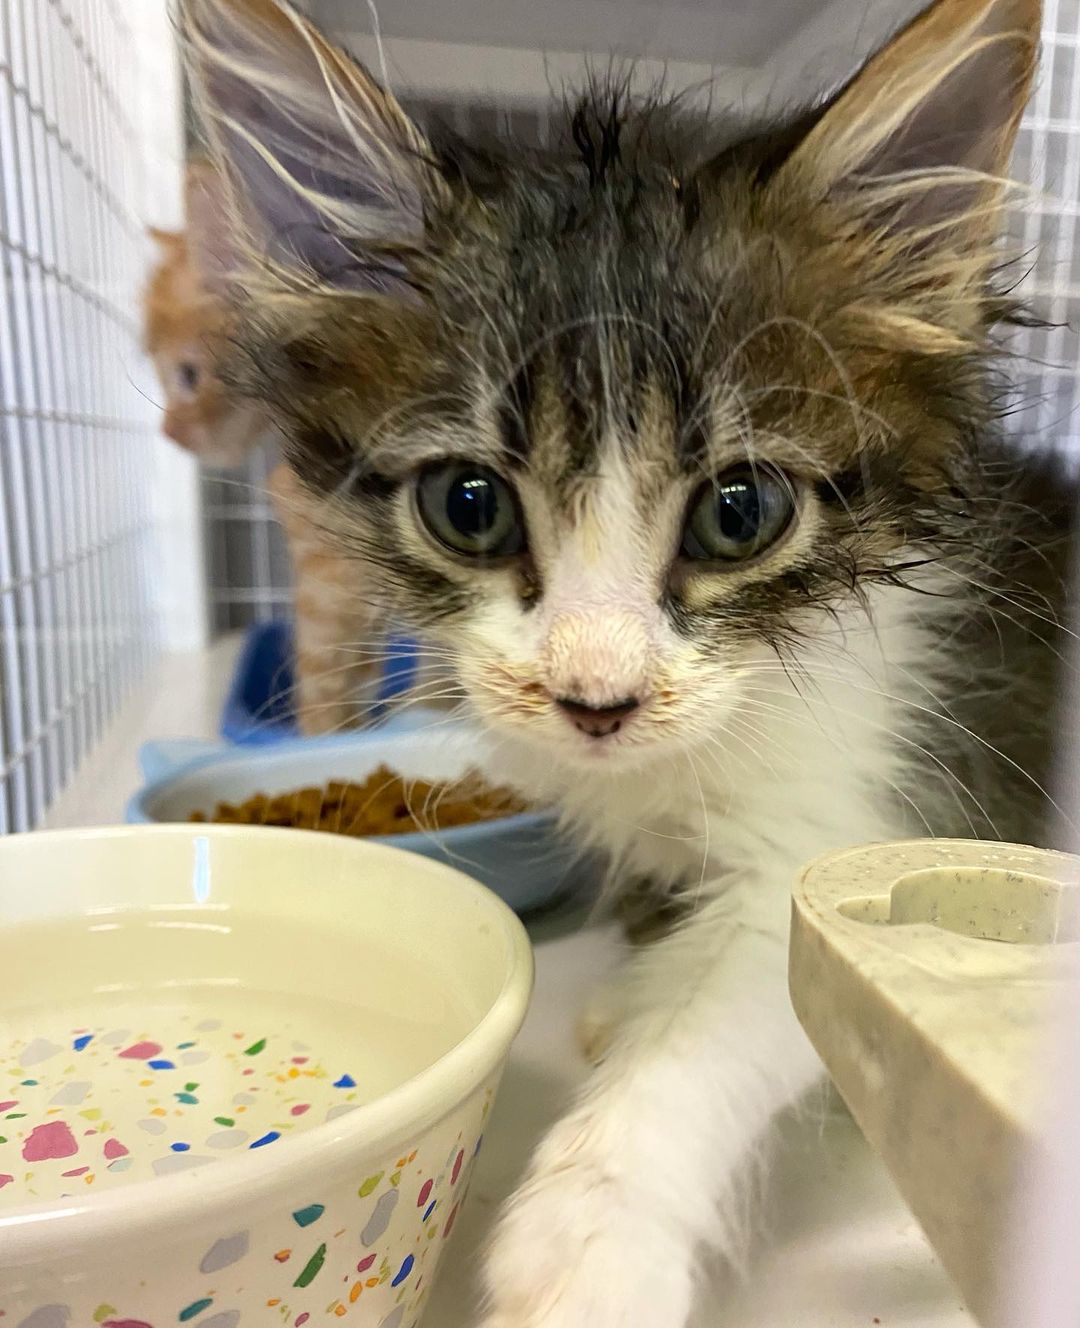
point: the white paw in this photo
(579, 1247)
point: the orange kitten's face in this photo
(185, 328)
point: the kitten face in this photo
(185, 332)
(619, 425)
(658, 471)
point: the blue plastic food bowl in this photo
(524, 859)
(259, 706)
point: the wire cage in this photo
(1047, 158)
(86, 102)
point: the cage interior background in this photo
(110, 546)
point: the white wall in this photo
(517, 75)
(737, 32)
(781, 52)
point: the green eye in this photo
(470, 509)
(738, 514)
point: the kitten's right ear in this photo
(329, 177)
(927, 126)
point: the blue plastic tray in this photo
(525, 858)
(259, 707)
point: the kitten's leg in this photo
(337, 630)
(646, 1169)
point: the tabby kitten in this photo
(187, 328)
(681, 442)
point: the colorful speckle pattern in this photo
(359, 1249)
(113, 1106)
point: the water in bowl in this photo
(188, 1057)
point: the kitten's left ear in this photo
(927, 127)
(328, 175)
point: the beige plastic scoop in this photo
(925, 974)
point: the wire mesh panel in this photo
(248, 564)
(1048, 159)
(77, 174)
(247, 560)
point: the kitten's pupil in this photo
(472, 505)
(739, 510)
(188, 374)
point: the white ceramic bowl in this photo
(244, 1074)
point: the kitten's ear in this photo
(928, 124)
(329, 175)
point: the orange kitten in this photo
(186, 326)
(335, 630)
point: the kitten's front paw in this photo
(579, 1245)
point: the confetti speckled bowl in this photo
(243, 1074)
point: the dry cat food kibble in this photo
(384, 804)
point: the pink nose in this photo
(597, 721)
